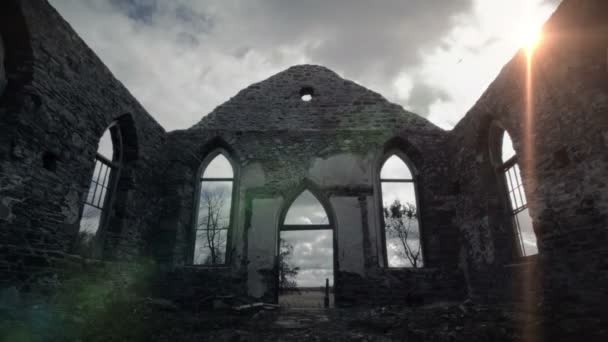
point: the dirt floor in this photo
(305, 298)
(442, 322)
(160, 320)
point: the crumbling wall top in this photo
(310, 97)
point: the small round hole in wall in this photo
(307, 93)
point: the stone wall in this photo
(561, 140)
(275, 104)
(288, 145)
(199, 288)
(275, 167)
(404, 287)
(58, 101)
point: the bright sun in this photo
(531, 40)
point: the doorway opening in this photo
(306, 256)
(306, 272)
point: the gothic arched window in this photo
(105, 174)
(508, 167)
(401, 214)
(214, 210)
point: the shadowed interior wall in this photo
(58, 101)
(333, 143)
(561, 137)
(3, 80)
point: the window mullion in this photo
(216, 197)
(401, 249)
(96, 179)
(395, 180)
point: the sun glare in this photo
(531, 40)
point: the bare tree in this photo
(401, 222)
(287, 273)
(213, 224)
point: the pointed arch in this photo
(505, 160)
(306, 212)
(215, 207)
(97, 202)
(212, 145)
(507, 151)
(100, 219)
(314, 197)
(400, 210)
(406, 151)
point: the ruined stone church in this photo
(510, 206)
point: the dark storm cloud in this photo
(359, 38)
(152, 12)
(139, 10)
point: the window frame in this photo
(501, 168)
(331, 225)
(113, 175)
(233, 205)
(415, 180)
(293, 227)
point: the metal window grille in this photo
(517, 196)
(99, 187)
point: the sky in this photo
(312, 249)
(182, 58)
(306, 209)
(395, 170)
(313, 254)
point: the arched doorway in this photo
(306, 254)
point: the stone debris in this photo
(257, 306)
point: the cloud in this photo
(306, 209)
(422, 96)
(182, 58)
(476, 49)
(360, 39)
(313, 254)
(315, 278)
(139, 10)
